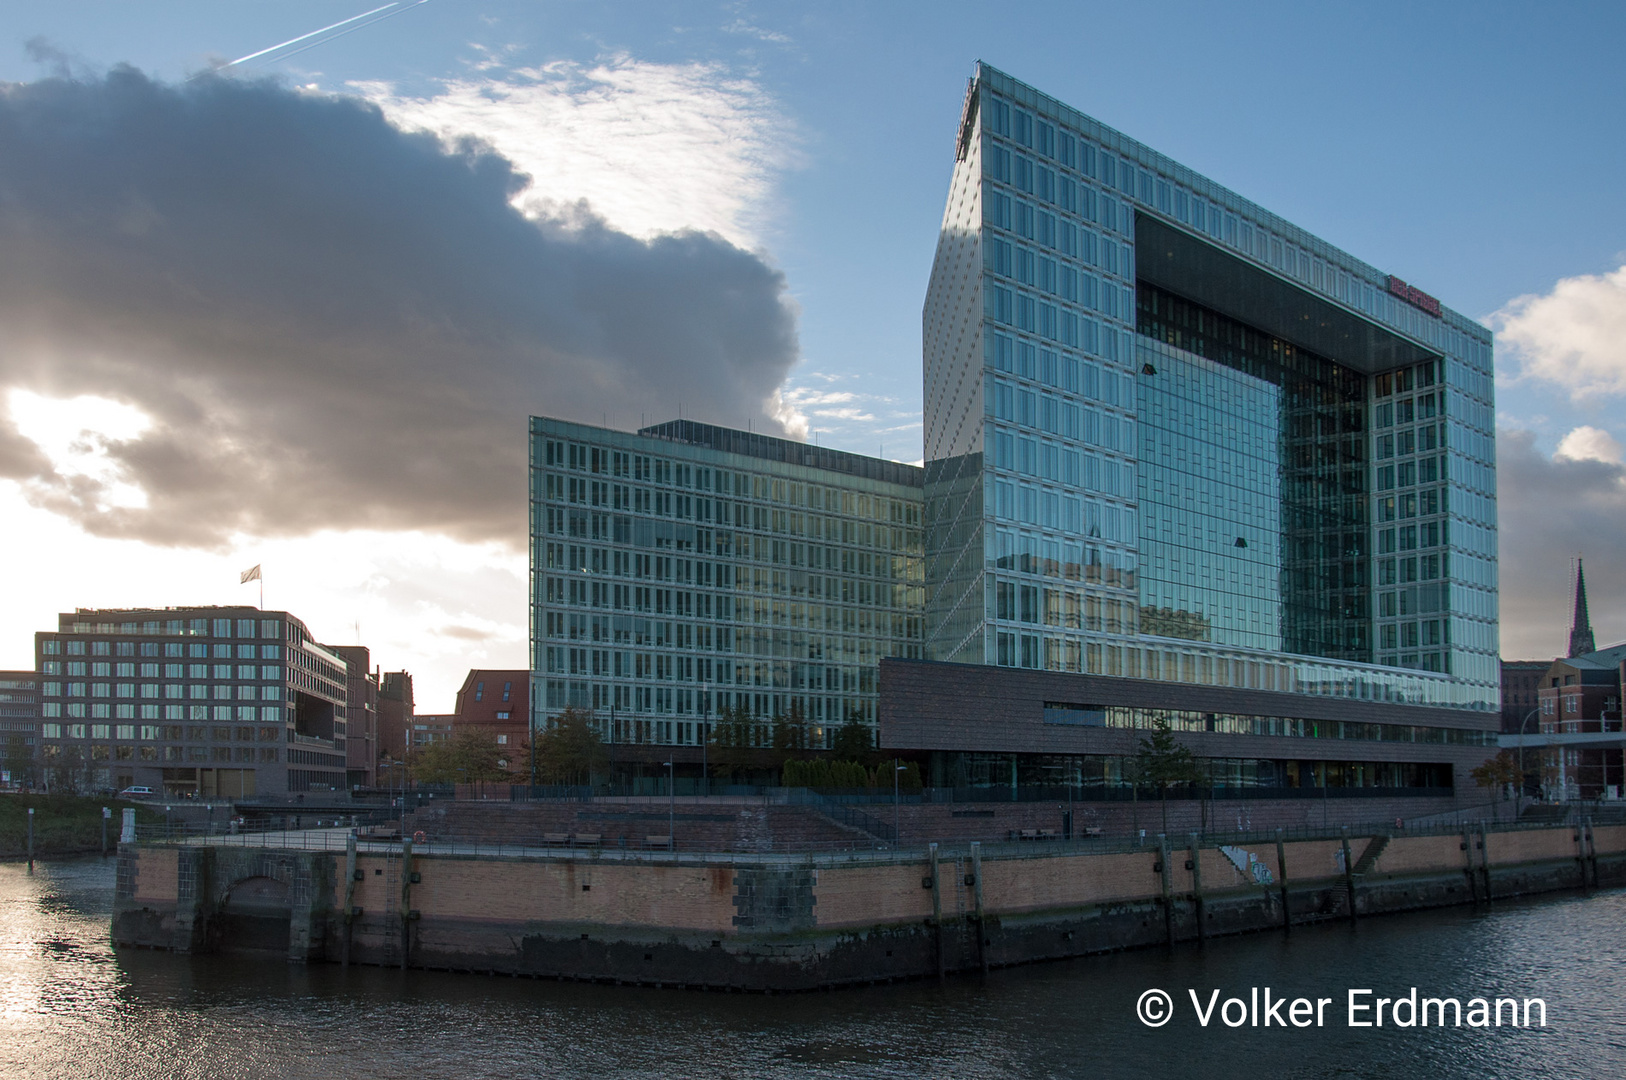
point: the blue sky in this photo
(1474, 150)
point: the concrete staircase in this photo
(1369, 857)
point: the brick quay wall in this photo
(793, 922)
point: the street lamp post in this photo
(671, 804)
(705, 737)
(530, 721)
(1518, 797)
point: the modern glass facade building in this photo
(1170, 436)
(688, 567)
(211, 701)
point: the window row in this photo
(1045, 411)
(1024, 359)
(1416, 568)
(220, 628)
(1411, 441)
(195, 650)
(1412, 504)
(868, 633)
(196, 691)
(1015, 308)
(1048, 460)
(602, 698)
(1408, 410)
(1412, 537)
(152, 671)
(657, 471)
(1023, 552)
(655, 534)
(1065, 608)
(164, 733)
(1058, 277)
(1412, 635)
(241, 714)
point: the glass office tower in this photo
(688, 567)
(1171, 436)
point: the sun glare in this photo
(76, 433)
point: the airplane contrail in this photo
(317, 33)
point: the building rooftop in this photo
(786, 451)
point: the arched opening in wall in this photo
(254, 917)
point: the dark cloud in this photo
(333, 323)
(1551, 510)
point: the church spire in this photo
(1581, 641)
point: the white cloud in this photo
(844, 414)
(651, 147)
(802, 396)
(1587, 443)
(740, 26)
(1573, 336)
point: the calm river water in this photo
(72, 1007)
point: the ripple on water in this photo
(71, 1007)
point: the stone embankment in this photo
(772, 921)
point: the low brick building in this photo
(977, 727)
(497, 701)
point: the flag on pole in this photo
(251, 574)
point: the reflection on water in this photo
(70, 1007)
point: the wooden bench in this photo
(1090, 831)
(556, 839)
(591, 839)
(661, 842)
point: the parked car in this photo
(137, 792)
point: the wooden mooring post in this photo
(1197, 887)
(1349, 876)
(937, 906)
(406, 901)
(1168, 891)
(976, 887)
(1281, 871)
(1469, 869)
(349, 895)
(1592, 850)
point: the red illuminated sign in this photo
(1415, 297)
